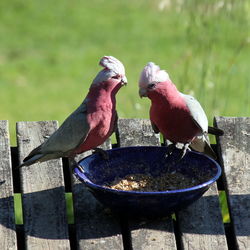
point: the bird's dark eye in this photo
(151, 85)
(116, 77)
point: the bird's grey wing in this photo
(200, 143)
(70, 134)
(196, 111)
(63, 141)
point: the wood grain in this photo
(148, 234)
(201, 224)
(136, 132)
(43, 196)
(7, 218)
(234, 149)
(96, 228)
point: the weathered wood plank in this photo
(150, 235)
(201, 224)
(136, 132)
(43, 196)
(153, 234)
(7, 218)
(95, 228)
(235, 158)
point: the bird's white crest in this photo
(152, 74)
(113, 66)
(112, 63)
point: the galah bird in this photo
(179, 117)
(91, 123)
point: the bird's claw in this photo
(102, 152)
(170, 149)
(184, 150)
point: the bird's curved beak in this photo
(124, 80)
(143, 92)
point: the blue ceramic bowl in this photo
(133, 160)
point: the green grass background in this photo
(49, 53)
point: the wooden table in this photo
(43, 188)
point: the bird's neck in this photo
(101, 93)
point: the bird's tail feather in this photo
(30, 160)
(215, 131)
(40, 157)
(209, 151)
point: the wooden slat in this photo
(95, 228)
(150, 234)
(235, 157)
(153, 234)
(43, 196)
(136, 132)
(201, 224)
(7, 218)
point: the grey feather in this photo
(70, 134)
(196, 111)
(63, 141)
(202, 144)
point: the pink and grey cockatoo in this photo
(179, 117)
(91, 123)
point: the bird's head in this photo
(151, 76)
(113, 70)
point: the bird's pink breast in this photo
(101, 127)
(101, 117)
(176, 124)
(171, 115)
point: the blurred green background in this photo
(49, 54)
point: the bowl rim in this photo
(82, 177)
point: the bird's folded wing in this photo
(196, 111)
(70, 134)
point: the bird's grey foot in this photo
(184, 150)
(102, 152)
(170, 149)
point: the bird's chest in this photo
(101, 121)
(175, 122)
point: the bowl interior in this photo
(146, 160)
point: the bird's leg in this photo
(102, 152)
(170, 149)
(184, 150)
